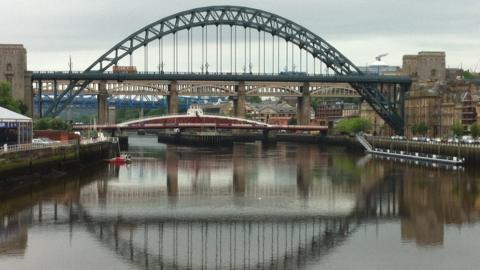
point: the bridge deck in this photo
(178, 76)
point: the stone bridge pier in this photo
(303, 105)
(239, 101)
(172, 98)
(102, 106)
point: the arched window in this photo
(9, 67)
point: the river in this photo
(287, 206)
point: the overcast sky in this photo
(51, 30)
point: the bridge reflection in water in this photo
(204, 211)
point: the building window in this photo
(433, 72)
(9, 67)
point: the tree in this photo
(475, 130)
(314, 101)
(59, 124)
(457, 129)
(353, 125)
(254, 99)
(6, 98)
(156, 112)
(53, 124)
(41, 124)
(292, 121)
(22, 107)
(420, 128)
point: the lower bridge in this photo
(198, 122)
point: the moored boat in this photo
(121, 159)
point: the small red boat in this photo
(122, 159)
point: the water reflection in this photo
(242, 207)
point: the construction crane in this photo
(379, 57)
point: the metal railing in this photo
(432, 142)
(96, 140)
(34, 146)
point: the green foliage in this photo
(155, 112)
(467, 75)
(292, 121)
(314, 101)
(6, 98)
(59, 124)
(52, 124)
(420, 128)
(457, 129)
(41, 124)
(253, 99)
(22, 107)
(353, 125)
(123, 115)
(475, 130)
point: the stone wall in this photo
(43, 160)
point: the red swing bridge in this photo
(198, 122)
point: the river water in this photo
(288, 206)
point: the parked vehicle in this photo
(43, 141)
(453, 140)
(468, 139)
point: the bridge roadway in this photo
(217, 77)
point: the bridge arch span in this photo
(231, 16)
(204, 120)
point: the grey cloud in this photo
(48, 26)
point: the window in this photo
(433, 72)
(9, 67)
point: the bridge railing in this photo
(282, 73)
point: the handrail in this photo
(364, 142)
(34, 146)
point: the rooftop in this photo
(11, 116)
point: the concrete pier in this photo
(172, 99)
(239, 101)
(303, 105)
(102, 106)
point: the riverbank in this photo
(49, 160)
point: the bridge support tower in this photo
(303, 105)
(269, 137)
(172, 99)
(102, 106)
(240, 100)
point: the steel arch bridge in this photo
(387, 103)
